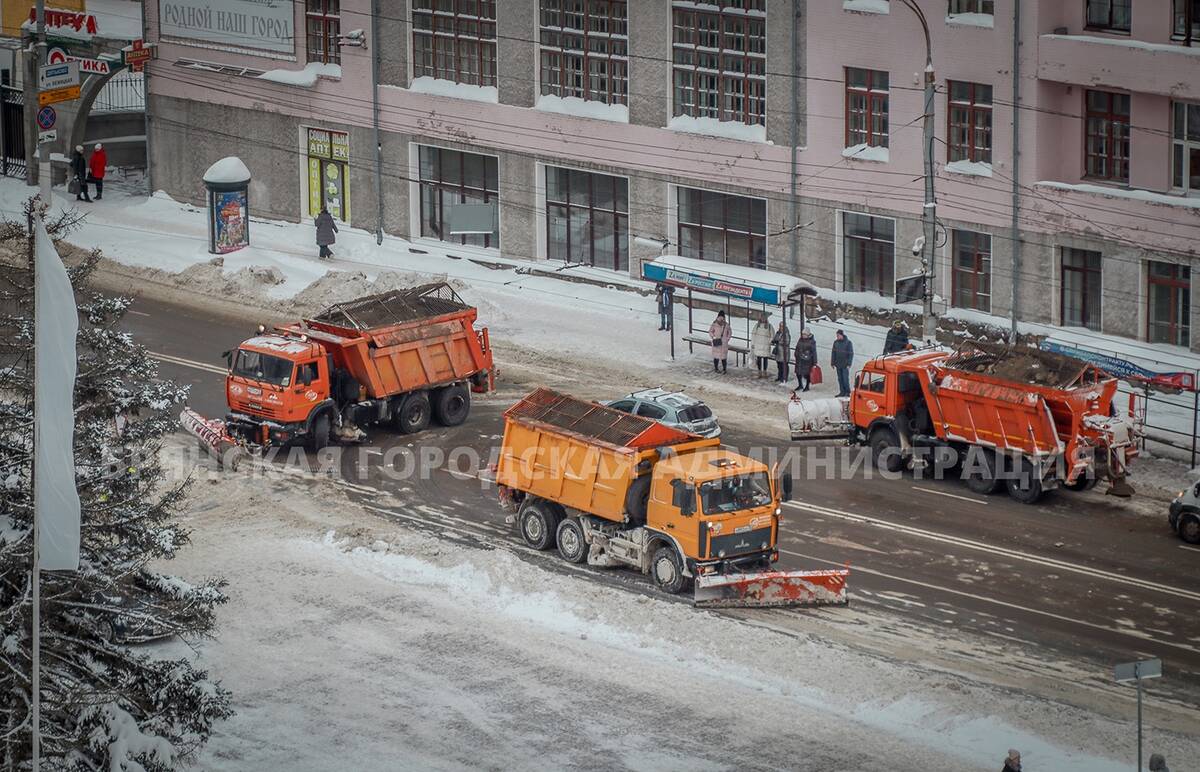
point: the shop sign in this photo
(86, 66)
(262, 24)
(66, 21)
(334, 145)
(229, 213)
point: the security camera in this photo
(918, 246)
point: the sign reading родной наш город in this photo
(262, 24)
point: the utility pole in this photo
(375, 54)
(43, 152)
(35, 574)
(929, 211)
(1016, 168)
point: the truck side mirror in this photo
(684, 497)
(785, 486)
(227, 355)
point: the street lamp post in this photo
(929, 211)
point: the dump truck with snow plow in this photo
(612, 489)
(403, 358)
(1001, 416)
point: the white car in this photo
(673, 408)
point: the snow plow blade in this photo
(773, 588)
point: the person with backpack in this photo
(806, 360)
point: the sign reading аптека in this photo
(264, 24)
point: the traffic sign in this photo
(46, 118)
(1134, 671)
(55, 76)
(58, 95)
(47, 136)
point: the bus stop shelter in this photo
(749, 290)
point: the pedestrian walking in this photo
(897, 338)
(841, 358)
(665, 295)
(760, 345)
(326, 228)
(79, 172)
(781, 349)
(720, 333)
(96, 166)
(1158, 763)
(1012, 762)
(806, 360)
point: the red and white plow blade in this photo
(774, 588)
(213, 437)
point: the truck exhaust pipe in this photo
(772, 589)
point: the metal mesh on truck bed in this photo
(395, 307)
(591, 421)
(1022, 364)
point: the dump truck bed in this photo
(581, 454)
(403, 340)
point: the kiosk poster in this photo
(229, 221)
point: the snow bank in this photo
(307, 77)
(713, 128)
(972, 19)
(582, 108)
(865, 152)
(448, 88)
(228, 170)
(866, 6)
(1148, 196)
(970, 168)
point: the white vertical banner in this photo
(56, 323)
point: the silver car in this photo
(673, 408)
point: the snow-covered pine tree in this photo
(107, 703)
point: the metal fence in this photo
(12, 131)
(125, 92)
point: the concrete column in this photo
(517, 218)
(648, 217)
(395, 38)
(516, 53)
(780, 16)
(650, 70)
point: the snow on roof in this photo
(740, 273)
(227, 170)
(306, 77)
(865, 152)
(581, 108)
(714, 128)
(448, 88)
(278, 343)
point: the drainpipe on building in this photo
(795, 140)
(146, 105)
(929, 211)
(43, 153)
(1016, 170)
(375, 121)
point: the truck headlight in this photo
(721, 554)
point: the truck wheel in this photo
(1189, 529)
(1024, 486)
(413, 415)
(885, 450)
(1085, 482)
(319, 433)
(452, 405)
(572, 544)
(667, 570)
(980, 472)
(637, 500)
(537, 525)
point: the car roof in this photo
(675, 399)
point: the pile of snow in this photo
(867, 6)
(972, 19)
(713, 128)
(307, 77)
(228, 170)
(582, 108)
(865, 152)
(448, 88)
(971, 168)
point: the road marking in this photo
(188, 363)
(1188, 547)
(998, 602)
(936, 492)
(1000, 551)
(136, 313)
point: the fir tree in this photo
(107, 703)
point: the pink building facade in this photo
(777, 133)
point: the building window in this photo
(584, 50)
(1109, 15)
(1186, 14)
(1169, 307)
(455, 40)
(322, 19)
(720, 60)
(587, 218)
(972, 278)
(866, 107)
(970, 117)
(973, 6)
(723, 228)
(1080, 288)
(1185, 147)
(868, 253)
(1107, 136)
(448, 178)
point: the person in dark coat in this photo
(1158, 763)
(326, 228)
(806, 360)
(96, 166)
(781, 349)
(79, 171)
(1012, 762)
(897, 338)
(665, 294)
(841, 358)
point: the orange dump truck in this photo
(611, 489)
(1015, 417)
(402, 357)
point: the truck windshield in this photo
(732, 494)
(263, 367)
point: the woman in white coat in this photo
(760, 345)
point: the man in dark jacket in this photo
(1012, 762)
(841, 358)
(79, 170)
(665, 294)
(806, 359)
(326, 227)
(897, 338)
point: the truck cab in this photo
(273, 385)
(889, 395)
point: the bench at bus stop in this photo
(703, 340)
